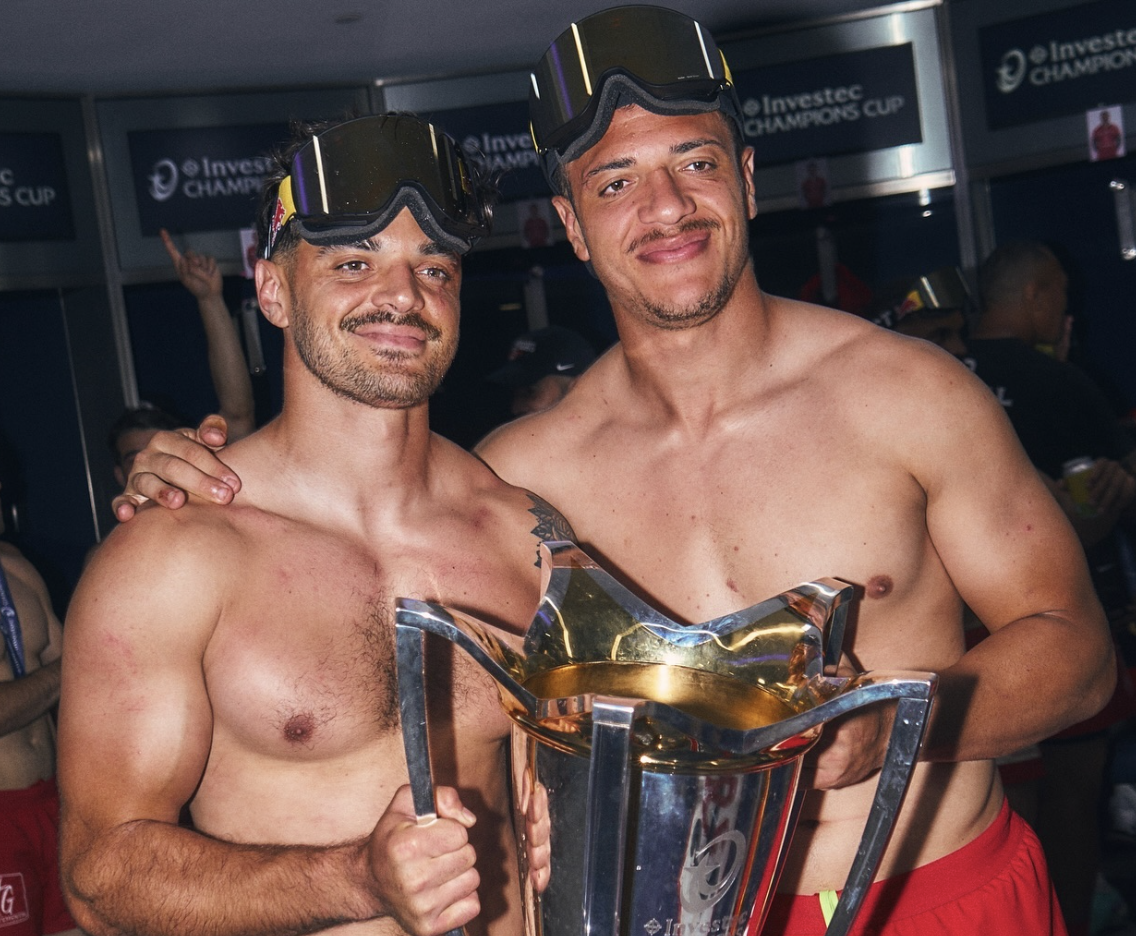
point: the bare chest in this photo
(302, 666)
(703, 531)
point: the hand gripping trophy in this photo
(660, 760)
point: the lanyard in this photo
(10, 625)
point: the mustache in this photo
(683, 227)
(386, 317)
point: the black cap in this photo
(543, 352)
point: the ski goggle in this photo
(651, 56)
(350, 181)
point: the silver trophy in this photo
(661, 761)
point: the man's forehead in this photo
(633, 125)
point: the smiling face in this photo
(660, 206)
(375, 322)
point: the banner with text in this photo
(500, 133)
(854, 102)
(1059, 63)
(201, 179)
(34, 202)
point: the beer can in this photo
(1076, 472)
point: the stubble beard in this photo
(672, 317)
(388, 386)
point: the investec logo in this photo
(1060, 61)
(207, 177)
(503, 151)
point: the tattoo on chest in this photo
(550, 524)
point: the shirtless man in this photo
(240, 661)
(31, 902)
(735, 444)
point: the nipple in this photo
(879, 586)
(299, 728)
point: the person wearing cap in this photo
(542, 367)
(238, 663)
(932, 307)
(735, 444)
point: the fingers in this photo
(852, 748)
(171, 247)
(425, 872)
(538, 844)
(449, 806)
(173, 465)
(214, 431)
(126, 505)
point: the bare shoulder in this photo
(531, 451)
(884, 381)
(520, 509)
(17, 566)
(162, 567)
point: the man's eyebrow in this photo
(689, 145)
(364, 244)
(623, 163)
(432, 248)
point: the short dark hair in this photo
(1009, 268)
(147, 416)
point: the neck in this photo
(691, 374)
(1004, 322)
(365, 459)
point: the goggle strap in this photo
(284, 211)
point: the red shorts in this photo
(996, 884)
(31, 897)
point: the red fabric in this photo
(31, 897)
(997, 884)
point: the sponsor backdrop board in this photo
(865, 94)
(1030, 69)
(194, 164)
(48, 231)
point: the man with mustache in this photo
(735, 444)
(238, 663)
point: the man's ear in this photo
(571, 227)
(747, 181)
(272, 292)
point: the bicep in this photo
(135, 721)
(1000, 533)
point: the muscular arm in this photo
(1017, 563)
(136, 725)
(22, 701)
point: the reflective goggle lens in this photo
(668, 54)
(351, 175)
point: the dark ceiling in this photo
(110, 47)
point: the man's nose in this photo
(666, 200)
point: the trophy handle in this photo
(903, 748)
(605, 828)
(412, 715)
